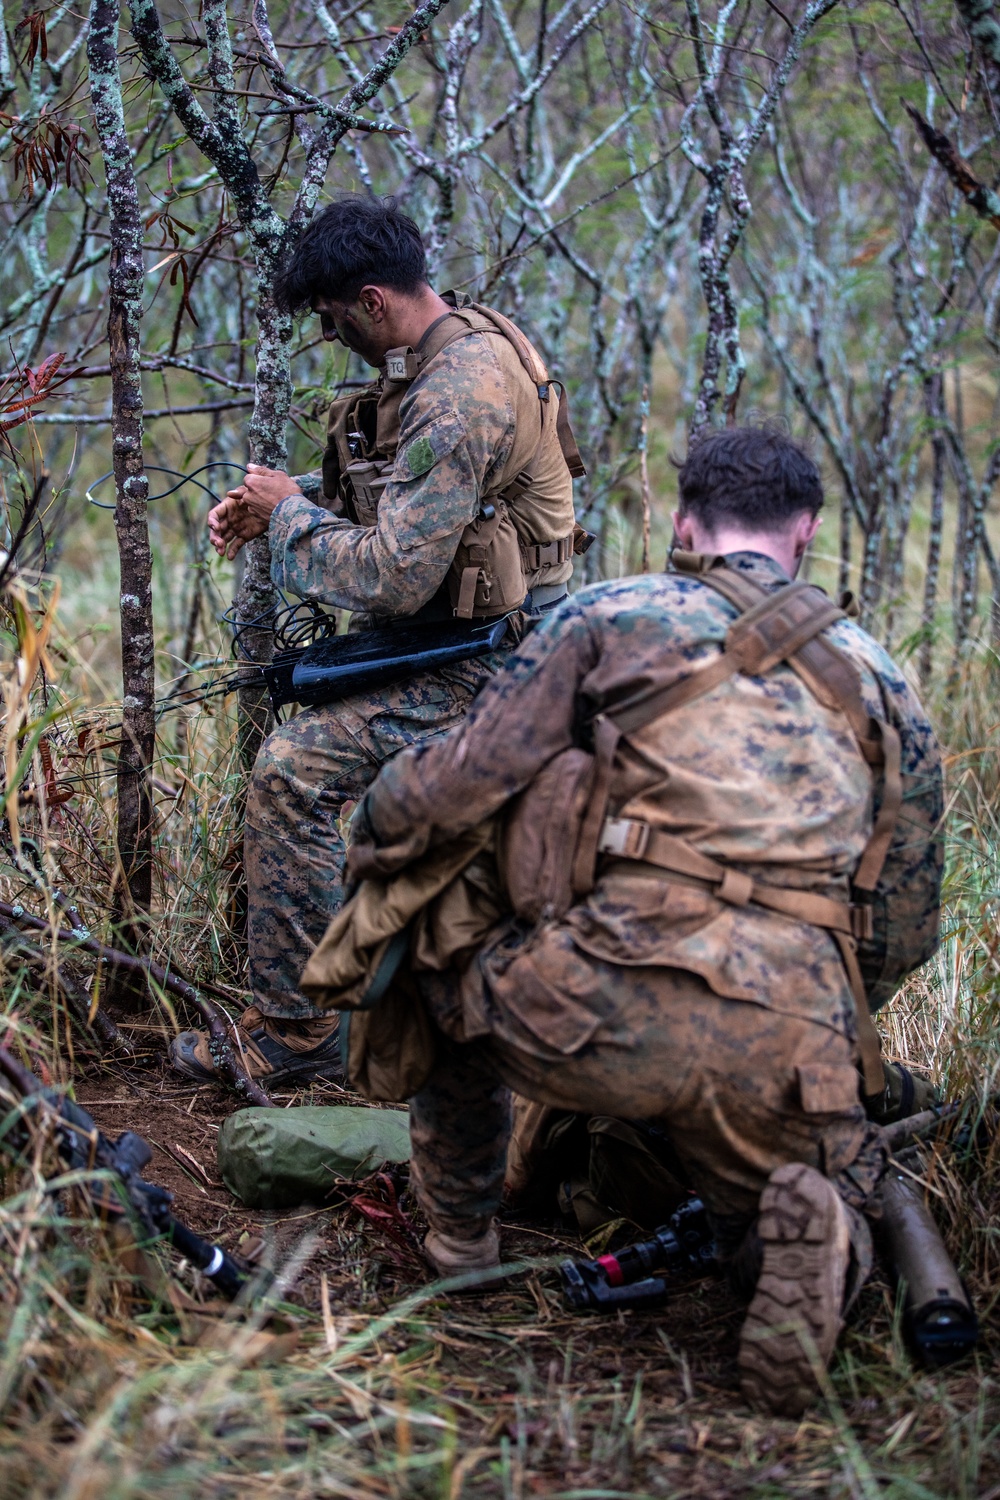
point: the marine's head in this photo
(361, 265)
(748, 489)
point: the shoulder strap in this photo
(531, 360)
(830, 676)
(448, 329)
(534, 367)
(834, 681)
(772, 627)
(456, 324)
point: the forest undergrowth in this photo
(738, 209)
(357, 1377)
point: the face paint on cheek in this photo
(351, 334)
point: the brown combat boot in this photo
(793, 1321)
(451, 1256)
(274, 1049)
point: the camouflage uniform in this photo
(294, 844)
(731, 1026)
(468, 420)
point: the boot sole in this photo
(795, 1315)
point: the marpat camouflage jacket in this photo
(458, 423)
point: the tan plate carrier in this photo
(493, 562)
(783, 626)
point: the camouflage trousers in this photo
(294, 843)
(737, 1089)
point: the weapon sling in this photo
(783, 626)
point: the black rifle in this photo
(84, 1148)
(338, 665)
(939, 1320)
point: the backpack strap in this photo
(834, 681)
(775, 625)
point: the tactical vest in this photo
(499, 555)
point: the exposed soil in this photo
(509, 1361)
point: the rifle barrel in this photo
(150, 1203)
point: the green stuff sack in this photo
(277, 1158)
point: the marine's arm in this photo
(520, 719)
(394, 567)
(907, 905)
(388, 569)
(311, 486)
(455, 431)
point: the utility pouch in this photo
(367, 482)
(352, 425)
(487, 577)
(583, 540)
(331, 472)
(539, 835)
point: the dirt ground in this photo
(641, 1404)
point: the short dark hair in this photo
(356, 241)
(754, 475)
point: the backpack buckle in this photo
(862, 921)
(626, 837)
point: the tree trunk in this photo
(255, 599)
(133, 891)
(934, 400)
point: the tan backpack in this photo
(555, 830)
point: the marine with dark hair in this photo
(446, 489)
(750, 478)
(705, 914)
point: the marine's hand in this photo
(230, 525)
(246, 512)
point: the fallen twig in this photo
(226, 1058)
(902, 1132)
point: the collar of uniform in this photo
(429, 330)
(758, 567)
(403, 364)
(457, 302)
(763, 570)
